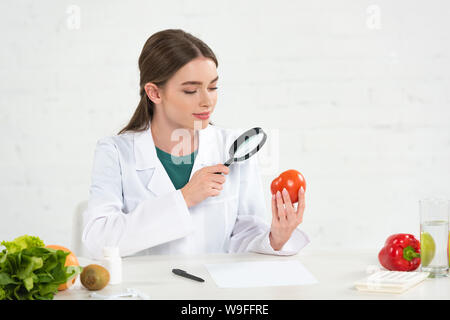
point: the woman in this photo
(152, 194)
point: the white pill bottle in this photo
(113, 263)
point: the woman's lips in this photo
(202, 116)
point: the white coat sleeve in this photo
(250, 232)
(151, 223)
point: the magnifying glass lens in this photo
(248, 145)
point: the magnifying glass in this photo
(246, 145)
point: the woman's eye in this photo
(192, 92)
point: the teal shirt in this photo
(179, 169)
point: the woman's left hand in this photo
(284, 217)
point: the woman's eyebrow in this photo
(199, 82)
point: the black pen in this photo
(183, 273)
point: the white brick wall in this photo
(355, 95)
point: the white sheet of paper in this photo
(260, 274)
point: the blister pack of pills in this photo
(391, 281)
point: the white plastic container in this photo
(113, 263)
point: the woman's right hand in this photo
(204, 183)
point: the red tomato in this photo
(292, 180)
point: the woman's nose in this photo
(206, 99)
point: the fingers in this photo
(300, 205)
(217, 186)
(290, 213)
(275, 218)
(283, 208)
(218, 178)
(284, 217)
(280, 207)
(219, 168)
(217, 171)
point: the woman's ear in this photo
(153, 92)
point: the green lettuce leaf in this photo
(29, 271)
(22, 242)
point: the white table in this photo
(335, 271)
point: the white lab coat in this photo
(134, 205)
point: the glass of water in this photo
(434, 236)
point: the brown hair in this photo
(163, 54)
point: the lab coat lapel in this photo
(147, 159)
(148, 164)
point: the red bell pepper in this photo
(401, 252)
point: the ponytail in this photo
(142, 115)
